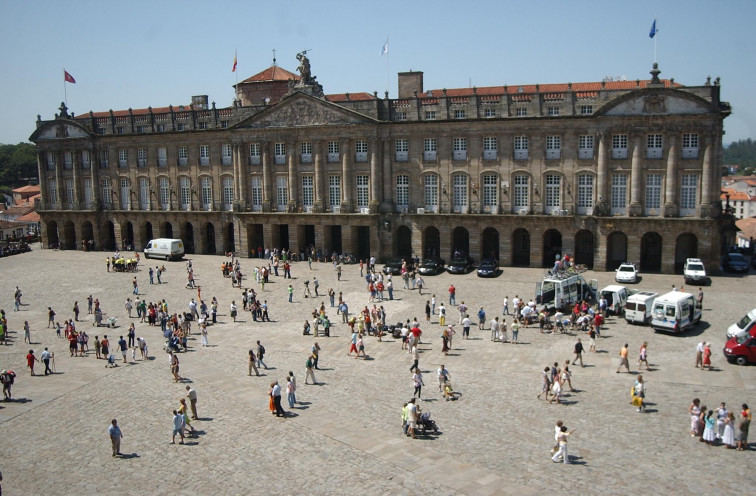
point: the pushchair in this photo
(111, 361)
(425, 423)
(172, 344)
(111, 321)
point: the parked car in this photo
(626, 272)
(432, 266)
(393, 267)
(735, 262)
(694, 272)
(743, 326)
(488, 268)
(741, 349)
(460, 265)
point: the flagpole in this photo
(655, 41)
(65, 91)
(388, 54)
(236, 71)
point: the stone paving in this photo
(344, 435)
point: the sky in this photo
(139, 53)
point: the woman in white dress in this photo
(695, 411)
(556, 389)
(709, 435)
(728, 437)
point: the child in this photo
(57, 329)
(133, 353)
(557, 430)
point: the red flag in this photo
(233, 69)
(68, 78)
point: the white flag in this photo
(384, 50)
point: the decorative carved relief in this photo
(304, 113)
(655, 104)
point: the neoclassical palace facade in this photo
(608, 171)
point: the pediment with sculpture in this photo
(302, 110)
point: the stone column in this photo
(636, 175)
(505, 246)
(294, 231)
(670, 192)
(444, 235)
(346, 180)
(320, 239)
(266, 179)
(76, 158)
(319, 202)
(58, 179)
(241, 244)
(387, 192)
(218, 227)
(668, 251)
(292, 181)
(602, 207)
(375, 196)
(708, 186)
(347, 239)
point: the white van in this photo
(639, 306)
(675, 311)
(743, 326)
(165, 248)
(616, 297)
(563, 292)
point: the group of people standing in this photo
(720, 425)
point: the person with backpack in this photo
(7, 378)
(260, 355)
(309, 365)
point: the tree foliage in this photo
(18, 164)
(742, 153)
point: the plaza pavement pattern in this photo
(345, 436)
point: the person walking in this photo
(639, 391)
(562, 441)
(30, 360)
(178, 427)
(232, 309)
(276, 392)
(623, 359)
(699, 354)
(309, 365)
(417, 381)
(481, 319)
(46, 355)
(115, 435)
(27, 333)
(466, 323)
(452, 295)
(76, 311)
(578, 353)
(252, 363)
(546, 385)
(50, 317)
(706, 356)
(643, 356)
(260, 355)
(290, 392)
(412, 415)
(415, 358)
(191, 393)
(443, 375)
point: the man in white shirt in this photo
(412, 415)
(466, 323)
(277, 400)
(462, 311)
(494, 328)
(45, 356)
(443, 375)
(699, 354)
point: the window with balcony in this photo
(162, 154)
(490, 193)
(185, 192)
(553, 193)
(688, 194)
(160, 128)
(69, 193)
(431, 192)
(459, 149)
(125, 194)
(654, 145)
(204, 155)
(123, 157)
(520, 147)
(103, 159)
(430, 115)
(52, 190)
(585, 194)
(180, 127)
(585, 146)
(459, 114)
(88, 193)
(279, 153)
(690, 145)
(67, 160)
(653, 194)
(226, 154)
(164, 190)
(202, 125)
(619, 146)
(183, 156)
(363, 191)
(490, 148)
(120, 130)
(521, 193)
(553, 147)
(360, 151)
(305, 152)
(334, 193)
(401, 147)
(107, 192)
(430, 149)
(282, 193)
(459, 193)
(333, 151)
(257, 196)
(402, 192)
(85, 159)
(228, 193)
(142, 157)
(619, 194)
(308, 193)
(254, 154)
(144, 193)
(206, 186)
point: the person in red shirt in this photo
(416, 332)
(30, 359)
(452, 295)
(597, 321)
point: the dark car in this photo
(432, 266)
(393, 267)
(488, 268)
(460, 265)
(735, 262)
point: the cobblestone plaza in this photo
(345, 434)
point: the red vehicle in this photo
(741, 349)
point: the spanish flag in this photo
(233, 69)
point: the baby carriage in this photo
(111, 321)
(172, 344)
(111, 361)
(425, 423)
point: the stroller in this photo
(172, 344)
(425, 422)
(111, 322)
(111, 361)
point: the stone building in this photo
(608, 171)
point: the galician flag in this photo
(233, 69)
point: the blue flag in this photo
(652, 33)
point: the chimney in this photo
(409, 83)
(199, 102)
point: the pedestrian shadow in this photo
(19, 400)
(299, 407)
(290, 414)
(601, 351)
(588, 365)
(191, 443)
(196, 432)
(127, 456)
(576, 460)
(304, 403)
(324, 369)
(205, 419)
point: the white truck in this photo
(616, 297)
(562, 292)
(639, 307)
(675, 312)
(165, 248)
(694, 272)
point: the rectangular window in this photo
(125, 194)
(305, 152)
(553, 197)
(202, 125)
(585, 146)
(103, 159)
(144, 193)
(257, 193)
(119, 130)
(226, 154)
(180, 126)
(690, 145)
(52, 189)
(51, 160)
(334, 193)
(360, 151)
(619, 194)
(553, 147)
(401, 116)
(162, 156)
(333, 151)
(490, 192)
(207, 193)
(585, 194)
(430, 149)
(161, 128)
(88, 193)
(586, 109)
(431, 192)
(204, 154)
(142, 157)
(654, 145)
(459, 147)
(183, 156)
(68, 160)
(430, 115)
(402, 150)
(553, 111)
(107, 191)
(85, 159)
(279, 152)
(520, 147)
(490, 148)
(363, 191)
(653, 194)
(282, 193)
(521, 112)
(521, 196)
(402, 191)
(308, 192)
(123, 156)
(140, 129)
(224, 124)
(459, 114)
(619, 146)
(165, 193)
(185, 193)
(459, 192)
(69, 193)
(688, 197)
(254, 154)
(228, 193)
(489, 112)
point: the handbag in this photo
(637, 401)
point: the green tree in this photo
(18, 164)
